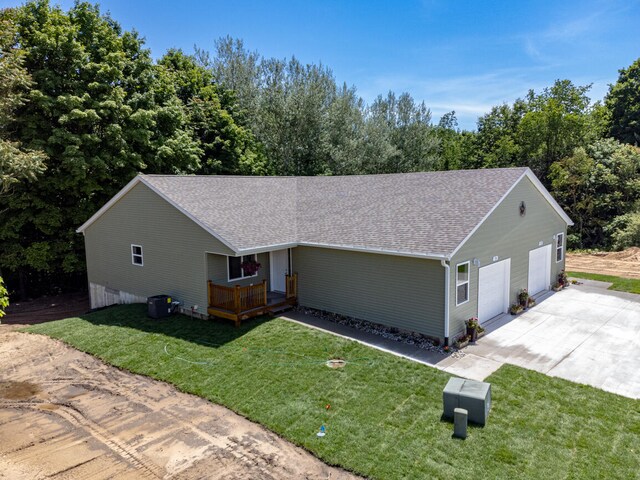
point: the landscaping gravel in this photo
(390, 333)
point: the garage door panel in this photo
(493, 289)
(539, 269)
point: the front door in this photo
(279, 261)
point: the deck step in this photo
(280, 308)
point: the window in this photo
(235, 267)
(136, 255)
(462, 283)
(559, 247)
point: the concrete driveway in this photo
(584, 333)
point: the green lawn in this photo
(630, 285)
(384, 419)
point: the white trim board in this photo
(536, 183)
(129, 186)
(265, 248)
(132, 183)
(227, 257)
(468, 282)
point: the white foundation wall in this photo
(102, 296)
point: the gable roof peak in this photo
(427, 214)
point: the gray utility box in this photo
(159, 306)
(473, 396)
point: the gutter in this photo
(447, 276)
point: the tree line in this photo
(84, 108)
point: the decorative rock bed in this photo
(390, 333)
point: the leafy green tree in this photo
(414, 143)
(4, 298)
(597, 184)
(240, 71)
(625, 230)
(228, 148)
(307, 125)
(538, 130)
(497, 142)
(555, 123)
(344, 134)
(597, 122)
(102, 112)
(623, 102)
(448, 135)
(284, 103)
(457, 147)
(16, 164)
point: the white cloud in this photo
(567, 32)
(470, 96)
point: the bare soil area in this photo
(624, 264)
(65, 414)
(47, 308)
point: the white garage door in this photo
(493, 289)
(539, 269)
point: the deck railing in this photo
(291, 288)
(237, 299)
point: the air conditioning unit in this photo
(159, 306)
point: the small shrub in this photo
(4, 298)
(625, 231)
(562, 278)
(523, 296)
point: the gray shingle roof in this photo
(428, 213)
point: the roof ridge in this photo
(411, 214)
(427, 172)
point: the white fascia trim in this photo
(282, 246)
(399, 253)
(140, 178)
(447, 283)
(548, 196)
(267, 248)
(188, 215)
(134, 181)
(545, 193)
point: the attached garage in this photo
(539, 269)
(493, 289)
(422, 251)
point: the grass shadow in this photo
(212, 333)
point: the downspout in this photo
(447, 273)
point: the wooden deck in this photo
(240, 303)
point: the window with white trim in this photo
(136, 255)
(234, 265)
(559, 247)
(462, 283)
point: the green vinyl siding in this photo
(173, 249)
(217, 270)
(507, 234)
(402, 292)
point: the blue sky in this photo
(454, 55)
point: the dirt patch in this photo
(45, 309)
(17, 390)
(630, 254)
(85, 419)
(624, 264)
(336, 363)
